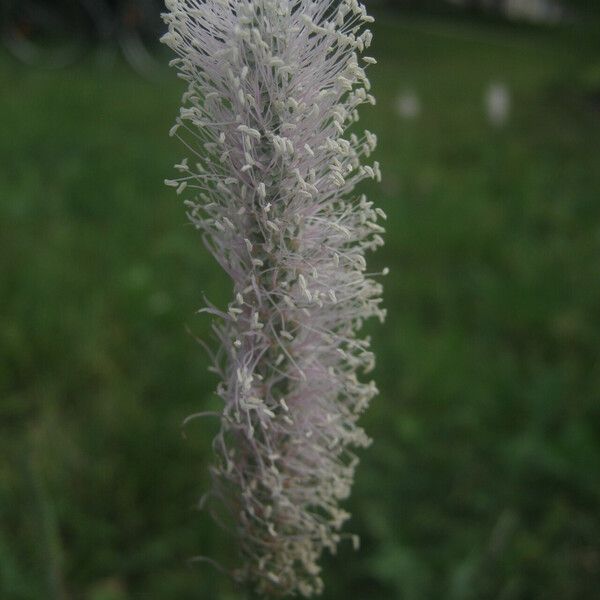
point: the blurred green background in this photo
(483, 481)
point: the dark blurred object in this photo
(50, 34)
(58, 33)
(140, 26)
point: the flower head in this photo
(273, 86)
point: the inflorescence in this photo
(273, 88)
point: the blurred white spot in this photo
(538, 11)
(408, 105)
(497, 103)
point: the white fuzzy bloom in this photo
(273, 87)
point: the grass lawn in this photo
(484, 478)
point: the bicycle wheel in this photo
(50, 34)
(141, 27)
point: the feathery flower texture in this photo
(273, 88)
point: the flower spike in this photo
(273, 88)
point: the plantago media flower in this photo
(273, 86)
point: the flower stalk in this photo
(273, 87)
